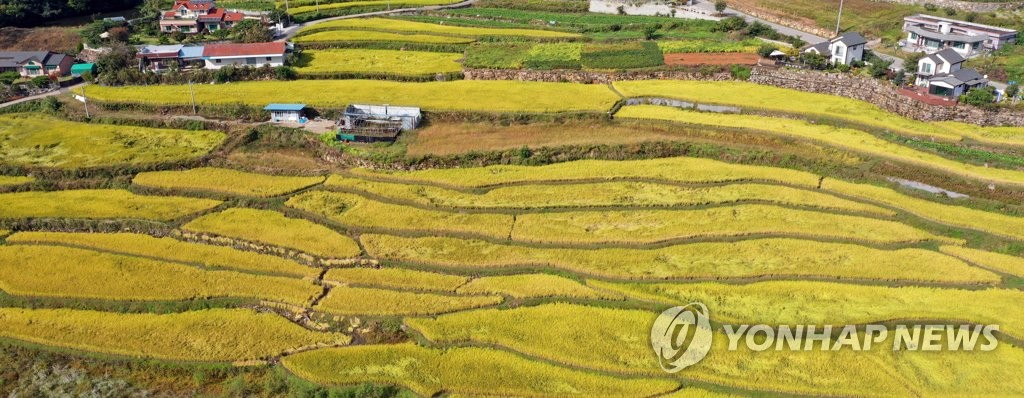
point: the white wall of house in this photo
(253, 61)
(285, 116)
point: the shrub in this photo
(766, 50)
(981, 97)
(740, 72)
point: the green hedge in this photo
(630, 55)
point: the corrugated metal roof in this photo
(285, 107)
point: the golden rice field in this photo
(470, 371)
(275, 229)
(212, 335)
(54, 271)
(530, 286)
(33, 139)
(609, 194)
(1013, 265)
(461, 95)
(404, 26)
(99, 204)
(854, 140)
(368, 301)
(396, 278)
(382, 4)
(7, 181)
(389, 62)
(370, 36)
(719, 260)
(169, 249)
(233, 182)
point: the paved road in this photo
(291, 31)
(64, 90)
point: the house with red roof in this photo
(218, 56)
(196, 16)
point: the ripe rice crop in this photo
(769, 98)
(357, 211)
(617, 340)
(989, 134)
(367, 301)
(850, 139)
(461, 95)
(827, 303)
(7, 181)
(471, 371)
(1013, 265)
(365, 5)
(396, 278)
(405, 26)
(99, 203)
(721, 260)
(32, 139)
(401, 63)
(53, 271)
(273, 228)
(963, 217)
(223, 335)
(554, 56)
(653, 226)
(335, 36)
(530, 285)
(678, 169)
(172, 250)
(228, 181)
(619, 193)
(706, 46)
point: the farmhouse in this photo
(158, 58)
(943, 74)
(195, 16)
(842, 50)
(376, 123)
(35, 63)
(929, 33)
(217, 56)
(286, 112)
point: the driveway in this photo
(64, 90)
(291, 31)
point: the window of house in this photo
(960, 45)
(926, 68)
(839, 51)
(269, 58)
(218, 61)
(913, 36)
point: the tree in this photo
(119, 33)
(650, 32)
(1012, 91)
(731, 24)
(720, 6)
(766, 50)
(814, 61)
(178, 36)
(251, 31)
(981, 97)
(151, 9)
(120, 56)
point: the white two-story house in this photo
(842, 50)
(943, 74)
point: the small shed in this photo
(286, 112)
(79, 69)
(376, 123)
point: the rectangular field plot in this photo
(368, 301)
(396, 278)
(378, 62)
(371, 36)
(32, 139)
(398, 25)
(1013, 265)
(607, 194)
(724, 260)
(234, 182)
(273, 228)
(53, 271)
(471, 371)
(211, 335)
(344, 7)
(530, 286)
(99, 203)
(172, 250)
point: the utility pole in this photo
(85, 100)
(192, 93)
(839, 20)
(317, 5)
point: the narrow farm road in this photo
(291, 31)
(64, 90)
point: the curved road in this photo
(291, 31)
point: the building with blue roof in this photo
(286, 112)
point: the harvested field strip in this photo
(54, 271)
(680, 169)
(957, 216)
(396, 278)
(370, 36)
(366, 5)
(608, 194)
(1013, 265)
(357, 211)
(398, 25)
(471, 371)
(99, 203)
(530, 286)
(755, 96)
(615, 341)
(401, 63)
(9, 181)
(826, 303)
(210, 335)
(171, 250)
(695, 59)
(380, 302)
(777, 258)
(461, 95)
(849, 139)
(273, 228)
(32, 139)
(657, 226)
(233, 182)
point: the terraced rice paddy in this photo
(378, 62)
(99, 204)
(404, 26)
(367, 301)
(227, 181)
(367, 36)
(272, 228)
(341, 7)
(396, 278)
(7, 181)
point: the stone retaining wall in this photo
(968, 6)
